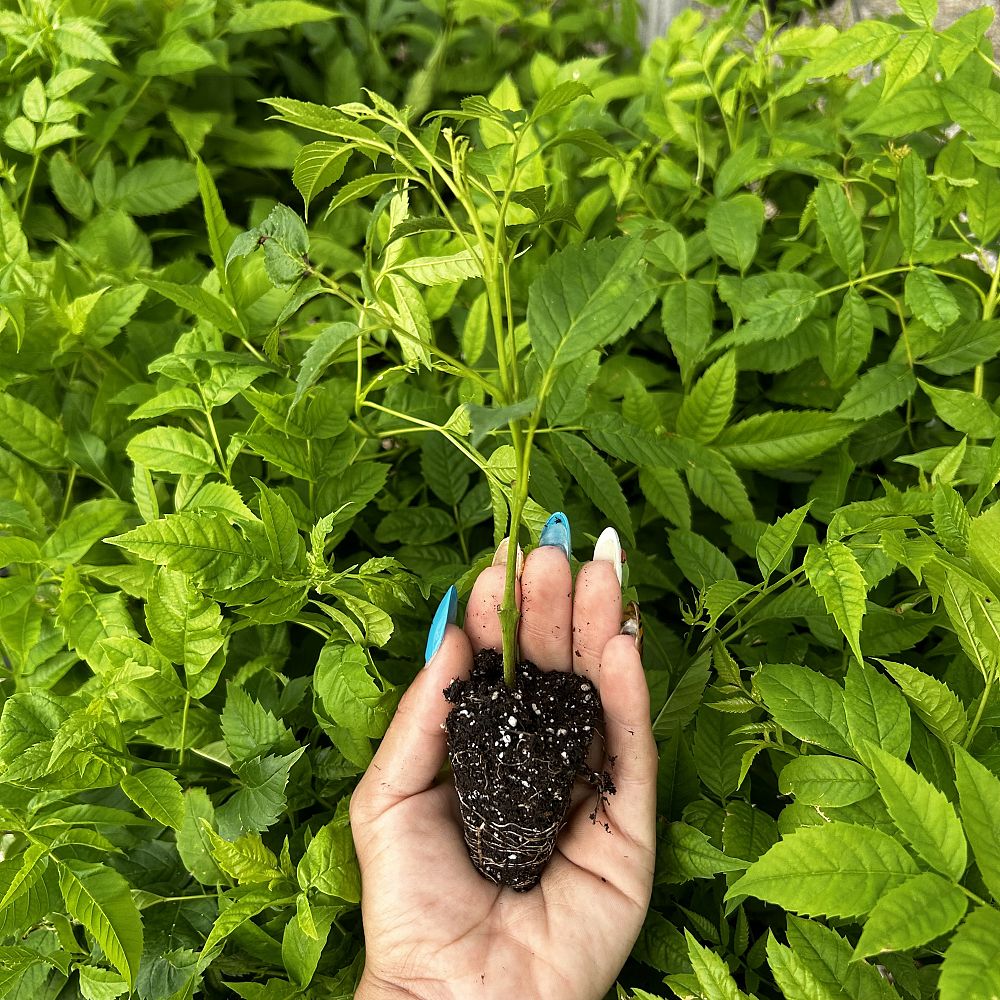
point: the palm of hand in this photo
(434, 926)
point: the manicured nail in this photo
(632, 623)
(445, 615)
(500, 556)
(556, 532)
(609, 548)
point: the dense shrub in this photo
(269, 387)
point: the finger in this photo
(597, 604)
(482, 618)
(413, 748)
(628, 737)
(545, 633)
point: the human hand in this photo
(434, 927)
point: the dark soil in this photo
(516, 753)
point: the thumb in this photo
(413, 748)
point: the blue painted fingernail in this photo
(445, 615)
(556, 532)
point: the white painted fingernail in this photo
(500, 556)
(609, 548)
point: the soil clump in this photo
(516, 753)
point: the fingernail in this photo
(556, 532)
(632, 623)
(500, 556)
(609, 548)
(446, 614)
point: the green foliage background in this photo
(269, 371)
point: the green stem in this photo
(973, 728)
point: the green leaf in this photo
(156, 793)
(733, 227)
(244, 859)
(877, 713)
(973, 611)
(979, 799)
(916, 210)
(934, 702)
(329, 864)
(585, 297)
(249, 729)
(154, 187)
(76, 37)
(780, 439)
(204, 545)
(714, 980)
(928, 298)
(193, 841)
(260, 800)
(349, 694)
(965, 411)
(882, 388)
(318, 165)
(698, 559)
(807, 704)
(835, 575)
(687, 321)
(31, 433)
(100, 899)
(705, 410)
(588, 469)
(185, 626)
(267, 15)
(911, 915)
(970, 966)
(777, 539)
(840, 227)
(300, 949)
(172, 449)
(922, 11)
(202, 303)
(70, 186)
(825, 781)
(924, 816)
(684, 853)
(237, 914)
(441, 270)
(906, 61)
(321, 352)
(836, 870)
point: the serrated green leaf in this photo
(733, 227)
(154, 187)
(881, 389)
(807, 704)
(31, 433)
(970, 967)
(979, 799)
(780, 439)
(836, 870)
(687, 321)
(99, 898)
(777, 539)
(204, 545)
(172, 449)
(835, 575)
(929, 299)
(576, 303)
(820, 780)
(706, 409)
(684, 853)
(329, 864)
(911, 915)
(156, 793)
(877, 713)
(840, 227)
(934, 702)
(586, 467)
(924, 816)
